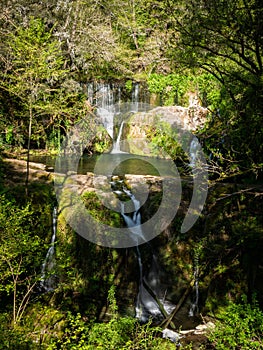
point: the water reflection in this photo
(121, 163)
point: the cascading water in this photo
(151, 296)
(193, 151)
(135, 97)
(107, 98)
(151, 301)
(149, 290)
(133, 222)
(47, 281)
(116, 145)
(194, 309)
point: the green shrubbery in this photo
(173, 88)
(12, 338)
(240, 326)
(122, 333)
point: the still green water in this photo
(107, 164)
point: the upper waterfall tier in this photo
(108, 97)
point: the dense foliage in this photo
(240, 326)
(225, 39)
(170, 45)
(50, 50)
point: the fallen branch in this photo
(168, 320)
(160, 305)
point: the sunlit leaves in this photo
(19, 245)
(38, 79)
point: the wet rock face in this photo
(188, 118)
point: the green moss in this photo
(100, 212)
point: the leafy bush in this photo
(120, 333)
(165, 140)
(173, 88)
(112, 335)
(12, 338)
(240, 327)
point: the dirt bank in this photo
(14, 172)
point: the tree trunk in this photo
(28, 146)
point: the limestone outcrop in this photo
(189, 118)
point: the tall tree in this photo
(34, 75)
(225, 39)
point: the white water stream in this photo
(146, 305)
(47, 280)
(193, 151)
(108, 101)
(116, 145)
(194, 308)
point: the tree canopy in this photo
(150, 41)
(225, 39)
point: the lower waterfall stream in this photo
(150, 301)
(48, 280)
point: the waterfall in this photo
(104, 97)
(116, 145)
(108, 97)
(135, 97)
(194, 309)
(146, 305)
(133, 222)
(107, 117)
(193, 151)
(47, 280)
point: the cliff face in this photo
(188, 118)
(140, 128)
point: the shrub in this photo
(240, 327)
(120, 333)
(12, 338)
